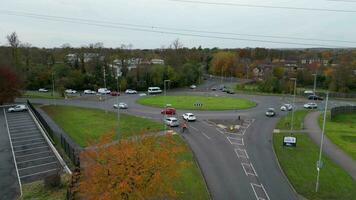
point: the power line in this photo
(263, 6)
(144, 29)
(175, 29)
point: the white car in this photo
(310, 105)
(171, 121)
(42, 90)
(193, 86)
(129, 91)
(120, 106)
(89, 92)
(189, 117)
(104, 91)
(308, 92)
(270, 112)
(17, 108)
(70, 91)
(286, 107)
(142, 94)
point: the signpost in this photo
(289, 141)
(198, 104)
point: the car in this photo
(42, 90)
(70, 91)
(114, 93)
(193, 86)
(89, 92)
(286, 107)
(17, 108)
(221, 87)
(189, 117)
(311, 105)
(154, 90)
(129, 91)
(230, 91)
(168, 111)
(103, 91)
(315, 97)
(213, 88)
(142, 94)
(171, 121)
(121, 105)
(270, 112)
(308, 92)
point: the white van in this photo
(103, 91)
(154, 90)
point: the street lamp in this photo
(165, 102)
(295, 86)
(314, 83)
(319, 164)
(118, 108)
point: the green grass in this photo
(299, 164)
(41, 95)
(38, 191)
(187, 102)
(85, 125)
(298, 121)
(342, 132)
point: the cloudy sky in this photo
(116, 22)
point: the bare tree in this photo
(14, 42)
(176, 44)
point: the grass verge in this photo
(342, 131)
(42, 95)
(86, 125)
(187, 102)
(298, 121)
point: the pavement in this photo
(329, 148)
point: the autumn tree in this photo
(10, 85)
(223, 63)
(140, 168)
(14, 42)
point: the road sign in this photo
(198, 104)
(290, 141)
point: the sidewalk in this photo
(329, 148)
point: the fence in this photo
(342, 109)
(70, 150)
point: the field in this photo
(342, 132)
(41, 95)
(85, 125)
(187, 102)
(299, 115)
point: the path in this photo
(333, 151)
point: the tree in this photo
(14, 43)
(140, 168)
(223, 63)
(10, 85)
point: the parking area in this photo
(34, 158)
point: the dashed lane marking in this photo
(241, 153)
(249, 169)
(260, 192)
(236, 141)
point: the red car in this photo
(169, 111)
(113, 93)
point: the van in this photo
(154, 90)
(103, 91)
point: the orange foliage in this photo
(141, 168)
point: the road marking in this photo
(220, 131)
(205, 135)
(197, 130)
(258, 197)
(236, 141)
(249, 169)
(206, 123)
(243, 155)
(194, 128)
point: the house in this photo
(157, 61)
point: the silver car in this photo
(171, 121)
(17, 108)
(120, 106)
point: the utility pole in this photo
(105, 91)
(319, 164)
(165, 102)
(295, 87)
(314, 83)
(222, 71)
(54, 102)
(118, 108)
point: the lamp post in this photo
(118, 108)
(314, 88)
(319, 165)
(295, 86)
(165, 102)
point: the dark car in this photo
(315, 97)
(230, 91)
(114, 93)
(168, 111)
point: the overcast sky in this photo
(179, 15)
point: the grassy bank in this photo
(208, 102)
(285, 122)
(84, 125)
(41, 95)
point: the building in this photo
(156, 61)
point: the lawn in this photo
(187, 102)
(41, 95)
(85, 125)
(299, 115)
(342, 132)
(299, 164)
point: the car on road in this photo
(315, 97)
(17, 108)
(129, 91)
(230, 91)
(121, 105)
(89, 92)
(222, 87)
(189, 117)
(311, 105)
(42, 90)
(308, 92)
(70, 91)
(103, 91)
(171, 121)
(193, 86)
(154, 90)
(114, 93)
(286, 107)
(168, 111)
(213, 88)
(270, 112)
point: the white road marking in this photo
(220, 131)
(244, 153)
(194, 128)
(253, 185)
(206, 123)
(197, 130)
(250, 166)
(236, 141)
(205, 135)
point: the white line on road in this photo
(194, 128)
(197, 130)
(250, 166)
(238, 141)
(244, 155)
(253, 185)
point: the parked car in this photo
(114, 93)
(213, 88)
(270, 112)
(230, 91)
(154, 90)
(189, 117)
(70, 91)
(142, 94)
(221, 87)
(17, 108)
(121, 106)
(129, 91)
(103, 91)
(193, 86)
(311, 105)
(308, 92)
(171, 121)
(315, 97)
(286, 107)
(89, 92)
(168, 111)
(42, 90)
